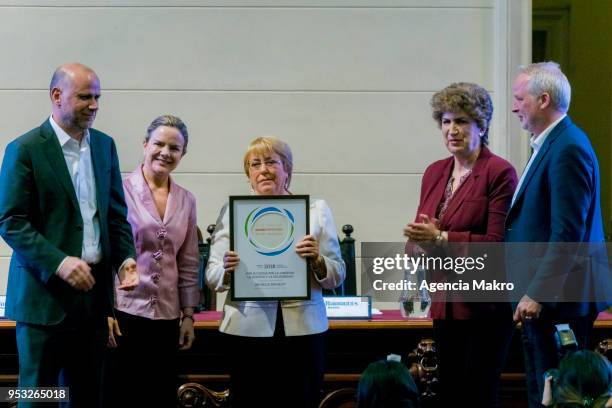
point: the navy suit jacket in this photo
(40, 219)
(476, 213)
(559, 202)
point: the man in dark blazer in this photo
(63, 213)
(556, 204)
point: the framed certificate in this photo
(264, 231)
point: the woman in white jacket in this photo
(277, 348)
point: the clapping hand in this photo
(424, 231)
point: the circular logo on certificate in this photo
(270, 230)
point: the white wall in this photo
(345, 83)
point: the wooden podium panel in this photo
(351, 346)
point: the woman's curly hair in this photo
(471, 99)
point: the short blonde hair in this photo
(266, 146)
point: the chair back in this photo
(347, 250)
(341, 398)
(208, 297)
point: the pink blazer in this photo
(166, 251)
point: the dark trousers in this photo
(277, 371)
(142, 370)
(540, 349)
(471, 355)
(66, 355)
(71, 353)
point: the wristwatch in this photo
(438, 238)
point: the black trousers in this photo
(471, 355)
(142, 370)
(64, 355)
(68, 354)
(279, 371)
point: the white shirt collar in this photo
(61, 134)
(537, 141)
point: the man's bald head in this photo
(75, 90)
(67, 72)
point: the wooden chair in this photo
(347, 251)
(208, 297)
(194, 395)
(423, 365)
(341, 398)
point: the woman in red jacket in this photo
(464, 199)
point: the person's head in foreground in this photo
(387, 384)
(584, 379)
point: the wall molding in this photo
(512, 48)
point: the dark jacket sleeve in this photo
(17, 195)
(120, 231)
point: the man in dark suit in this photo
(557, 205)
(63, 213)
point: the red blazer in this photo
(476, 213)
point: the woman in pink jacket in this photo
(156, 319)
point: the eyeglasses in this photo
(256, 164)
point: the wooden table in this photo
(351, 346)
